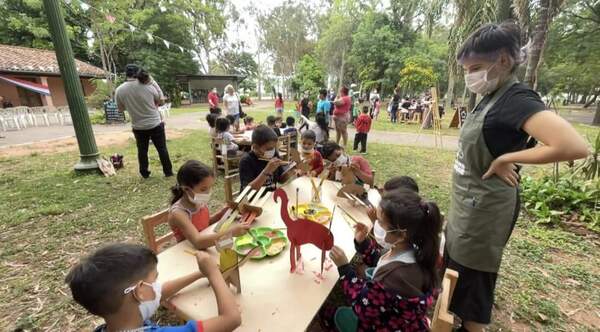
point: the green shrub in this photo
(571, 198)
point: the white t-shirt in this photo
(319, 133)
(233, 104)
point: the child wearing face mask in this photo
(309, 154)
(404, 255)
(119, 283)
(338, 158)
(189, 215)
(262, 166)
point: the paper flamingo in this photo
(302, 231)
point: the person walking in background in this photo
(213, 101)
(395, 104)
(376, 108)
(324, 105)
(279, 104)
(141, 100)
(363, 126)
(341, 115)
(372, 97)
(305, 105)
(231, 104)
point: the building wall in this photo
(55, 85)
(9, 92)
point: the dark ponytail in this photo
(422, 221)
(143, 76)
(189, 175)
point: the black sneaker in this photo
(145, 176)
(168, 175)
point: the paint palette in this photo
(260, 242)
(314, 212)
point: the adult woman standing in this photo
(485, 195)
(231, 104)
(341, 115)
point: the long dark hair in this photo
(322, 123)
(143, 76)
(189, 175)
(422, 221)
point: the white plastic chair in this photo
(65, 115)
(54, 116)
(21, 113)
(38, 116)
(9, 119)
(168, 109)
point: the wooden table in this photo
(244, 138)
(272, 298)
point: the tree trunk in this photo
(472, 101)
(591, 101)
(450, 91)
(539, 39)
(341, 78)
(596, 121)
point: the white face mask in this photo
(380, 235)
(148, 308)
(201, 199)
(342, 160)
(307, 151)
(269, 154)
(478, 81)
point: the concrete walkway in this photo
(196, 121)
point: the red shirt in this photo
(278, 103)
(213, 99)
(200, 220)
(316, 163)
(363, 123)
(343, 109)
(362, 164)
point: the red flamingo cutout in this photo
(302, 231)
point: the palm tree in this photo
(546, 13)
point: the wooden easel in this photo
(436, 119)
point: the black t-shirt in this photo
(251, 167)
(502, 126)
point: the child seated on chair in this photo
(211, 118)
(262, 166)
(228, 148)
(249, 123)
(291, 131)
(401, 289)
(309, 154)
(272, 123)
(119, 283)
(340, 162)
(232, 121)
(189, 214)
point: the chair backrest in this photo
(232, 187)
(220, 160)
(149, 223)
(442, 320)
(283, 145)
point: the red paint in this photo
(302, 231)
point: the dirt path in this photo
(62, 138)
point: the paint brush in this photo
(297, 193)
(331, 219)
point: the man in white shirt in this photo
(141, 100)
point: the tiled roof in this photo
(17, 59)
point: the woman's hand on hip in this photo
(504, 170)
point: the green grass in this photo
(50, 217)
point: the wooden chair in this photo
(232, 187)
(229, 165)
(284, 146)
(149, 223)
(442, 320)
(416, 118)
